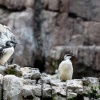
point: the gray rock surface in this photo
(19, 88)
(12, 87)
(13, 69)
(5, 35)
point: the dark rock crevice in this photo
(74, 16)
(12, 10)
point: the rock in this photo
(35, 73)
(37, 98)
(58, 87)
(24, 34)
(2, 69)
(59, 97)
(75, 40)
(32, 73)
(92, 34)
(48, 5)
(74, 88)
(29, 4)
(86, 9)
(91, 87)
(53, 6)
(5, 35)
(12, 87)
(27, 92)
(1, 87)
(96, 64)
(31, 91)
(16, 88)
(86, 55)
(13, 69)
(64, 6)
(47, 90)
(29, 82)
(37, 90)
(13, 4)
(71, 95)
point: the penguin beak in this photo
(15, 42)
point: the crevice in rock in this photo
(1, 88)
(57, 11)
(49, 98)
(40, 63)
(74, 16)
(38, 7)
(12, 10)
(80, 97)
(29, 97)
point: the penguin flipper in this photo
(2, 52)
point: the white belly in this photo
(8, 53)
(65, 71)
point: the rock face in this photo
(48, 87)
(14, 14)
(48, 29)
(70, 26)
(5, 35)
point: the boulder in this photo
(12, 87)
(13, 69)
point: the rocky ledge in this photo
(30, 84)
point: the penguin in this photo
(65, 69)
(6, 52)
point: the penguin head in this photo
(67, 56)
(11, 43)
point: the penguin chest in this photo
(65, 71)
(7, 54)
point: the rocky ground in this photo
(29, 84)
